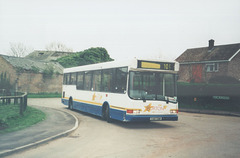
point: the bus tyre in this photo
(70, 104)
(106, 114)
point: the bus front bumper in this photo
(129, 118)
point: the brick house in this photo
(203, 64)
(32, 76)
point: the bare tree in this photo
(57, 46)
(19, 50)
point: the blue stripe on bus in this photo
(85, 107)
(116, 113)
(95, 109)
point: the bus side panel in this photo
(117, 114)
(89, 108)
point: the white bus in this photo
(134, 90)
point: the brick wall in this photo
(31, 82)
(222, 71)
(225, 68)
(6, 67)
(184, 73)
(234, 67)
(36, 83)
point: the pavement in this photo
(57, 124)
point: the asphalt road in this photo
(194, 135)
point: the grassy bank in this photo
(44, 95)
(10, 119)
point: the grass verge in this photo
(11, 120)
(44, 95)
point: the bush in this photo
(89, 56)
(5, 85)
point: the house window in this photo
(212, 67)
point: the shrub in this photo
(5, 84)
(89, 56)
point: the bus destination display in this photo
(155, 65)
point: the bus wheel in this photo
(106, 114)
(70, 104)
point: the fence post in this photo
(15, 101)
(25, 102)
(21, 106)
(9, 101)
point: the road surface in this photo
(194, 135)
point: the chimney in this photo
(210, 44)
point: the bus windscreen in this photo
(152, 85)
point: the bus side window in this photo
(107, 80)
(96, 81)
(72, 80)
(67, 79)
(120, 80)
(80, 80)
(88, 81)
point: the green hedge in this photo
(209, 96)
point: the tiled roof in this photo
(47, 55)
(29, 64)
(218, 53)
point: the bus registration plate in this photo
(155, 118)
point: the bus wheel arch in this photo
(70, 103)
(106, 112)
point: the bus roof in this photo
(133, 64)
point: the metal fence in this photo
(15, 98)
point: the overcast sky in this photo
(126, 28)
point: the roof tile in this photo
(218, 53)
